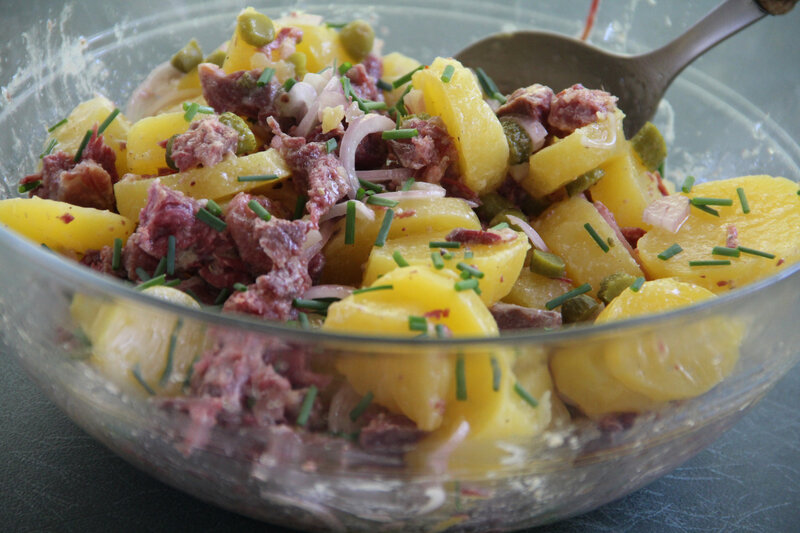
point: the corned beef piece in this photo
(577, 106)
(430, 153)
(364, 85)
(390, 434)
(238, 92)
(511, 316)
(532, 102)
(205, 143)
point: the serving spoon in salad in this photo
(520, 58)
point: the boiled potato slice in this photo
(86, 116)
(534, 290)
(240, 54)
(430, 216)
(322, 47)
(475, 129)
(62, 226)
(214, 183)
(137, 349)
(500, 263)
(771, 226)
(396, 65)
(562, 228)
(584, 149)
(145, 155)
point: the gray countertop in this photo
(57, 478)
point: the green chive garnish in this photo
(241, 287)
(56, 125)
(405, 133)
(222, 296)
(712, 262)
(213, 208)
(350, 223)
(405, 78)
(152, 282)
(171, 255)
(673, 250)
(496, 374)
(707, 209)
(161, 268)
(438, 262)
(400, 105)
(743, 200)
(383, 86)
(408, 184)
(448, 72)
(468, 254)
(724, 250)
(600, 242)
(266, 76)
(192, 109)
(137, 374)
(555, 302)
(687, 184)
(383, 202)
(471, 270)
(303, 319)
(525, 395)
(82, 146)
(204, 215)
(305, 408)
(383, 232)
(288, 84)
(330, 145)
(444, 244)
(369, 186)
(373, 106)
(259, 210)
(52, 144)
(711, 201)
(258, 177)
(441, 331)
(116, 256)
(27, 187)
(375, 288)
(399, 259)
(461, 380)
(109, 119)
(300, 207)
(311, 305)
(759, 253)
(502, 225)
(361, 406)
(344, 67)
(189, 373)
(467, 284)
(637, 284)
(172, 283)
(418, 323)
(173, 342)
(336, 25)
(144, 276)
(489, 87)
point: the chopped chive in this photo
(52, 144)
(418, 323)
(336, 25)
(266, 76)
(399, 259)
(152, 282)
(383, 232)
(213, 208)
(288, 84)
(502, 225)
(724, 250)
(204, 215)
(360, 194)
(406, 133)
(116, 256)
(525, 395)
(350, 223)
(300, 207)
(192, 109)
(447, 255)
(56, 125)
(258, 177)
(448, 72)
(375, 288)
(707, 209)
(189, 373)
(441, 331)
(330, 145)
(137, 374)
(471, 270)
(712, 262)
(171, 255)
(600, 242)
(489, 87)
(408, 184)
(637, 284)
(465, 275)
(161, 268)
(303, 319)
(496, 374)
(222, 296)
(711, 201)
(305, 408)
(468, 254)
(259, 210)
(344, 67)
(27, 187)
(312, 305)
(400, 105)
(444, 244)
(383, 86)
(673, 250)
(405, 78)
(143, 275)
(172, 283)
(82, 147)
(466, 284)
(107, 122)
(241, 287)
(438, 263)
(361, 406)
(383, 202)
(743, 200)
(555, 302)
(759, 253)
(373, 106)
(173, 342)
(687, 184)
(461, 380)
(368, 185)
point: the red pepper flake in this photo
(438, 314)
(405, 213)
(66, 218)
(780, 262)
(722, 283)
(656, 176)
(474, 236)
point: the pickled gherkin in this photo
(187, 57)
(492, 204)
(520, 145)
(547, 264)
(584, 181)
(247, 141)
(502, 216)
(613, 285)
(649, 145)
(581, 308)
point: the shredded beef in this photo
(238, 92)
(632, 234)
(532, 102)
(100, 260)
(475, 236)
(364, 85)
(205, 143)
(511, 316)
(390, 434)
(374, 66)
(98, 151)
(576, 107)
(284, 42)
(430, 153)
(244, 226)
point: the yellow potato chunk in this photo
(140, 349)
(431, 216)
(396, 65)
(86, 116)
(214, 183)
(771, 227)
(562, 228)
(676, 363)
(239, 54)
(62, 226)
(145, 155)
(534, 290)
(322, 47)
(584, 149)
(626, 189)
(500, 263)
(475, 129)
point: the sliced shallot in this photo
(389, 174)
(355, 133)
(340, 210)
(328, 291)
(668, 212)
(535, 238)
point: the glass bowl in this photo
(716, 126)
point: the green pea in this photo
(547, 264)
(357, 38)
(613, 285)
(581, 308)
(216, 57)
(501, 217)
(519, 142)
(492, 204)
(584, 181)
(299, 60)
(187, 57)
(247, 141)
(256, 28)
(650, 146)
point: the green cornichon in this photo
(519, 142)
(187, 57)
(256, 28)
(216, 57)
(357, 37)
(584, 181)
(613, 285)
(502, 216)
(247, 141)
(547, 264)
(650, 146)
(492, 204)
(581, 308)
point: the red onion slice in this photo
(328, 291)
(418, 190)
(298, 100)
(389, 174)
(437, 459)
(608, 216)
(668, 212)
(535, 238)
(340, 210)
(355, 133)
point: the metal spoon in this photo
(521, 58)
